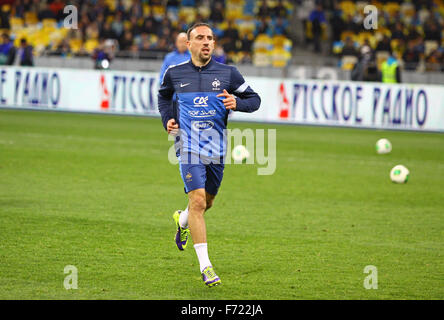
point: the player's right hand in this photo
(172, 127)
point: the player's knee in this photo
(198, 203)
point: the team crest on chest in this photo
(216, 84)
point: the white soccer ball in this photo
(240, 153)
(399, 174)
(383, 146)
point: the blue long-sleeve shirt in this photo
(199, 108)
(171, 59)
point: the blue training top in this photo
(202, 117)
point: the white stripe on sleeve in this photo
(241, 88)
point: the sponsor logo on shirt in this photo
(202, 113)
(202, 125)
(201, 101)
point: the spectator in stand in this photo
(366, 51)
(164, 25)
(305, 7)
(7, 51)
(230, 37)
(25, 54)
(189, 3)
(217, 14)
(349, 48)
(45, 13)
(136, 10)
(432, 31)
(280, 11)
(350, 24)
(126, 42)
(337, 23)
(412, 33)
(161, 46)
(63, 48)
(365, 69)
(280, 27)
(117, 24)
(434, 61)
(317, 18)
(411, 57)
(134, 28)
(263, 27)
(149, 27)
(144, 43)
(92, 31)
(57, 8)
(247, 41)
(107, 32)
(120, 9)
(100, 19)
(264, 11)
(126, 19)
(173, 3)
(384, 45)
(4, 18)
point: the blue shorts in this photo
(206, 176)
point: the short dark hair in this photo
(198, 24)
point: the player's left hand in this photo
(229, 101)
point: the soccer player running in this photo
(206, 91)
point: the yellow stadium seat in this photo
(391, 8)
(348, 62)
(49, 23)
(16, 23)
(348, 34)
(236, 2)
(348, 7)
(158, 11)
(90, 45)
(204, 11)
(188, 14)
(261, 59)
(407, 9)
(111, 4)
(279, 57)
(75, 44)
(146, 9)
(246, 26)
(110, 18)
(262, 41)
(395, 44)
(234, 14)
(31, 17)
(429, 46)
(288, 44)
(278, 41)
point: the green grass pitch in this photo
(98, 192)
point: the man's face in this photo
(181, 42)
(201, 43)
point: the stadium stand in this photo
(146, 29)
(262, 33)
(411, 31)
